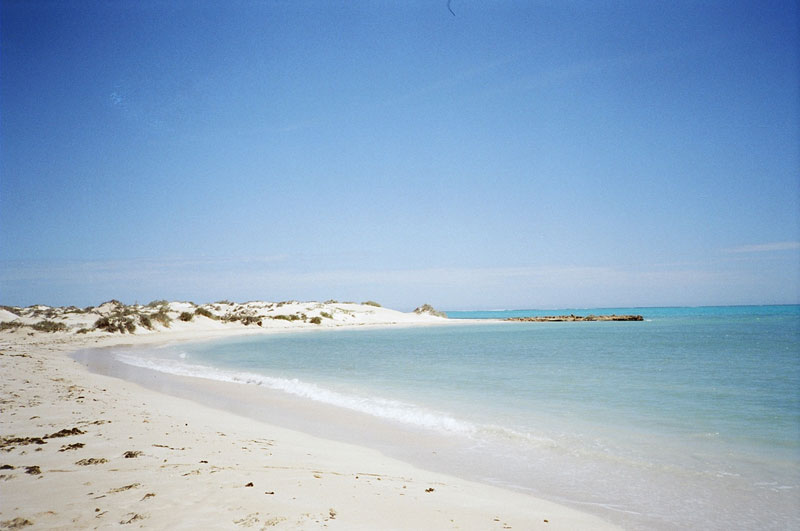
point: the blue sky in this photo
(516, 155)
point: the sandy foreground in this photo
(82, 450)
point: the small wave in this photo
(495, 432)
(375, 406)
(705, 435)
(609, 506)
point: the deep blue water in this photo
(689, 418)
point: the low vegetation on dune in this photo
(10, 325)
(145, 321)
(116, 323)
(427, 308)
(161, 316)
(245, 319)
(49, 326)
(292, 317)
(206, 313)
(114, 317)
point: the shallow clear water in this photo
(689, 418)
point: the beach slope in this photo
(82, 450)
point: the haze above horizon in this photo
(515, 155)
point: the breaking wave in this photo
(375, 406)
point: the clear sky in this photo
(516, 155)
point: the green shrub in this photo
(116, 323)
(83, 331)
(245, 319)
(186, 316)
(427, 308)
(49, 326)
(162, 317)
(205, 313)
(371, 303)
(105, 323)
(326, 314)
(145, 321)
(316, 320)
(10, 325)
(250, 319)
(293, 317)
(157, 304)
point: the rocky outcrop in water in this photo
(570, 318)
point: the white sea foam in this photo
(375, 406)
(502, 433)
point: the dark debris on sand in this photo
(92, 461)
(73, 446)
(65, 433)
(20, 441)
(16, 523)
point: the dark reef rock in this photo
(571, 318)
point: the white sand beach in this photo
(82, 450)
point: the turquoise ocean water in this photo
(690, 418)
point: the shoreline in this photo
(195, 462)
